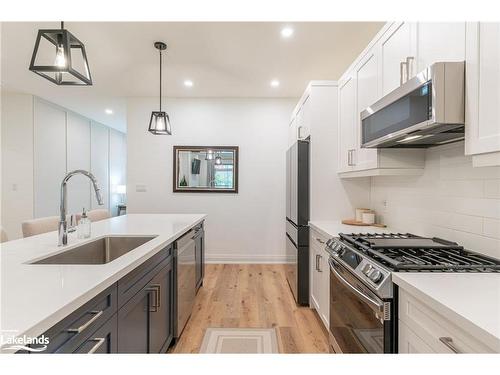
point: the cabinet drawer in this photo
(103, 340)
(410, 342)
(435, 330)
(317, 239)
(73, 330)
(135, 280)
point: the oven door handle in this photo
(367, 299)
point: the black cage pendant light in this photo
(61, 58)
(159, 123)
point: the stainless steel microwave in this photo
(427, 110)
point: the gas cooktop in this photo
(408, 252)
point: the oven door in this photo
(357, 322)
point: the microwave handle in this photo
(379, 306)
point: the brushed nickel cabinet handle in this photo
(319, 259)
(100, 341)
(320, 240)
(156, 289)
(80, 329)
(316, 266)
(448, 342)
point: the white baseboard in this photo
(246, 259)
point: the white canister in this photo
(360, 212)
(368, 218)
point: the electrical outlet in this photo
(141, 188)
(384, 205)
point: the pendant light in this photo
(218, 160)
(159, 123)
(58, 65)
(209, 155)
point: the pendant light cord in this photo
(160, 80)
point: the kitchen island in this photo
(35, 297)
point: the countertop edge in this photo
(58, 315)
(462, 322)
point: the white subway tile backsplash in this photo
(451, 200)
(492, 189)
(491, 228)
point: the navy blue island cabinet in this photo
(134, 315)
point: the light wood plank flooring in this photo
(252, 296)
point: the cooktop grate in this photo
(408, 252)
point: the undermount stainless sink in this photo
(100, 251)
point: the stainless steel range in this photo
(363, 298)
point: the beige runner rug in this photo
(240, 340)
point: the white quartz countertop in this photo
(334, 227)
(35, 297)
(469, 300)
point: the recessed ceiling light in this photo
(188, 83)
(108, 111)
(275, 83)
(286, 32)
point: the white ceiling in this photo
(236, 59)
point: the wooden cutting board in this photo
(361, 224)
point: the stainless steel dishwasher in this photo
(185, 280)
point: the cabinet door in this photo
(396, 45)
(103, 340)
(304, 125)
(346, 125)
(439, 41)
(99, 161)
(133, 324)
(324, 292)
(482, 88)
(314, 277)
(366, 95)
(292, 132)
(49, 157)
(161, 310)
(78, 157)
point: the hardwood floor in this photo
(252, 296)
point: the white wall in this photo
(451, 200)
(248, 226)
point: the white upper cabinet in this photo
(367, 93)
(347, 125)
(397, 47)
(482, 112)
(443, 41)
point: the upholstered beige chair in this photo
(99, 214)
(3, 235)
(39, 226)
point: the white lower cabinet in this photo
(319, 273)
(424, 330)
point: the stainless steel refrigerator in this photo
(297, 220)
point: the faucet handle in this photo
(72, 223)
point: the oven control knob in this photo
(367, 268)
(375, 276)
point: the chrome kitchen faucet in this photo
(63, 225)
